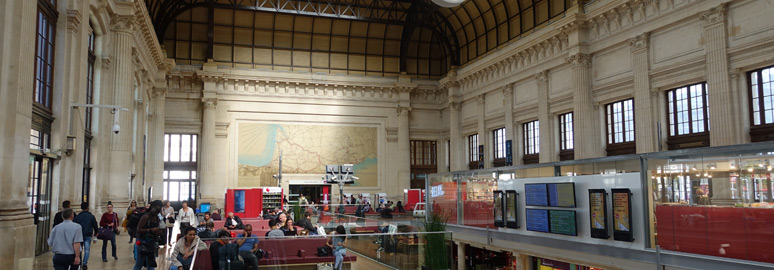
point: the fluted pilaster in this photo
(404, 146)
(482, 132)
(721, 111)
(587, 137)
(117, 189)
(510, 132)
(644, 119)
(546, 135)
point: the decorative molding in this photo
(579, 60)
(402, 110)
(122, 24)
(481, 99)
(74, 20)
(221, 129)
(542, 77)
(456, 106)
(159, 92)
(106, 60)
(391, 134)
(639, 42)
(210, 103)
(714, 16)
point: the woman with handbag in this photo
(168, 212)
(186, 216)
(107, 232)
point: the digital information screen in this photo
(239, 201)
(597, 205)
(621, 212)
(563, 222)
(537, 220)
(561, 194)
(536, 194)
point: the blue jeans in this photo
(250, 260)
(104, 247)
(141, 261)
(185, 262)
(339, 258)
(86, 250)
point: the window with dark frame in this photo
(473, 148)
(91, 58)
(423, 161)
(687, 111)
(180, 167)
(44, 53)
(762, 104)
(619, 122)
(498, 140)
(566, 137)
(531, 142)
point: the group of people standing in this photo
(73, 233)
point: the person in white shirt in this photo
(186, 216)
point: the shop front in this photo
(546, 264)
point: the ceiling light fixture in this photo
(448, 3)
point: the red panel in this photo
(726, 235)
(665, 227)
(691, 229)
(760, 232)
(229, 202)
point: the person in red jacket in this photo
(109, 220)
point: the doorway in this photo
(313, 193)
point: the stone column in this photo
(546, 135)
(456, 143)
(207, 161)
(460, 255)
(644, 119)
(17, 250)
(440, 153)
(404, 150)
(119, 174)
(587, 137)
(482, 132)
(156, 150)
(510, 132)
(721, 111)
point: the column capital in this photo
(639, 42)
(402, 110)
(122, 24)
(481, 99)
(449, 84)
(74, 20)
(714, 15)
(210, 103)
(455, 106)
(159, 92)
(508, 90)
(542, 77)
(579, 60)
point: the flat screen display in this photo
(510, 206)
(537, 220)
(563, 222)
(561, 194)
(498, 208)
(536, 194)
(621, 212)
(239, 201)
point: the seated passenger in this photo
(223, 240)
(234, 222)
(216, 215)
(208, 232)
(275, 231)
(400, 207)
(248, 244)
(306, 224)
(207, 219)
(289, 229)
(183, 252)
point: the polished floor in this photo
(123, 251)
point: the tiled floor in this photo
(123, 250)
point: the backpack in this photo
(134, 220)
(228, 257)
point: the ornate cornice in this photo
(122, 24)
(639, 42)
(74, 20)
(714, 16)
(579, 60)
(210, 103)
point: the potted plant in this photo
(436, 255)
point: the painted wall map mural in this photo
(305, 150)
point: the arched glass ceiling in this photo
(358, 37)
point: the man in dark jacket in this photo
(89, 226)
(306, 223)
(223, 240)
(234, 222)
(208, 233)
(58, 217)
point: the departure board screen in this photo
(536, 194)
(537, 220)
(561, 194)
(563, 222)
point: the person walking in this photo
(338, 243)
(89, 226)
(65, 242)
(186, 216)
(148, 232)
(129, 211)
(168, 212)
(109, 220)
(58, 216)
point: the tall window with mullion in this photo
(619, 118)
(762, 104)
(473, 151)
(44, 54)
(180, 167)
(566, 137)
(90, 59)
(498, 140)
(423, 161)
(531, 142)
(687, 109)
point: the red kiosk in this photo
(249, 203)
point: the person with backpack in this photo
(220, 250)
(248, 244)
(148, 233)
(89, 226)
(183, 252)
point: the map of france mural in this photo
(305, 150)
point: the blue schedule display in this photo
(537, 220)
(561, 194)
(536, 194)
